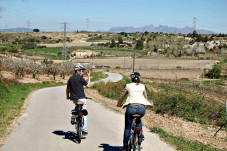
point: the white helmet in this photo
(79, 67)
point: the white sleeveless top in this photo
(135, 94)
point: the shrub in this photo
(215, 72)
(110, 89)
(191, 108)
(29, 45)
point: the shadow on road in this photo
(67, 135)
(107, 147)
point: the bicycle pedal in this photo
(84, 133)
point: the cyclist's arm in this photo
(145, 94)
(89, 79)
(67, 93)
(120, 102)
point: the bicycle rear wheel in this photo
(130, 141)
(136, 142)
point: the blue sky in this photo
(104, 14)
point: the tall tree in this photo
(36, 30)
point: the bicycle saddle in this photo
(135, 115)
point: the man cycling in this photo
(135, 103)
(75, 91)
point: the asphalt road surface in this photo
(45, 126)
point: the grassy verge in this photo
(96, 75)
(191, 106)
(12, 98)
(181, 143)
(174, 102)
(111, 90)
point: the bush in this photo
(29, 45)
(110, 89)
(215, 72)
(191, 108)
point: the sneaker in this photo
(142, 137)
(84, 133)
(73, 119)
(73, 122)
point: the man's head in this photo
(135, 77)
(79, 69)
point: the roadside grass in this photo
(192, 106)
(181, 143)
(12, 98)
(111, 90)
(97, 75)
(172, 101)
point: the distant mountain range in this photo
(131, 29)
(19, 29)
(160, 28)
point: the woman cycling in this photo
(136, 102)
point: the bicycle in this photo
(136, 135)
(79, 113)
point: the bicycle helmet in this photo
(135, 76)
(79, 67)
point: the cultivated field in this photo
(157, 68)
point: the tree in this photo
(139, 44)
(36, 30)
(194, 34)
(120, 40)
(113, 43)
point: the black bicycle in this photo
(136, 134)
(79, 113)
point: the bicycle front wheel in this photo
(79, 132)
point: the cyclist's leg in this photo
(84, 128)
(142, 112)
(128, 124)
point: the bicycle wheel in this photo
(79, 132)
(136, 142)
(130, 141)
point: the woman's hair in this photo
(135, 77)
(136, 80)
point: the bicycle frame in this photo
(80, 113)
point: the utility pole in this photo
(28, 25)
(87, 24)
(226, 119)
(134, 56)
(64, 43)
(194, 23)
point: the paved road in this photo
(45, 126)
